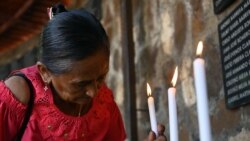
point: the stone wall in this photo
(166, 34)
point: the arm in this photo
(116, 130)
(19, 88)
(14, 94)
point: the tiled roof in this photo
(20, 20)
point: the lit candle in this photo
(172, 109)
(201, 94)
(151, 108)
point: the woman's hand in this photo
(161, 136)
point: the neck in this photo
(80, 110)
(69, 108)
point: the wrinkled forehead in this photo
(90, 67)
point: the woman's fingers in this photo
(151, 136)
(160, 137)
(160, 129)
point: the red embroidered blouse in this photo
(103, 121)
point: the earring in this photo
(45, 86)
(87, 93)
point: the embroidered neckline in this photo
(53, 122)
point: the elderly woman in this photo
(63, 96)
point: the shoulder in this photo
(19, 87)
(105, 94)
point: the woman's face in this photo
(81, 84)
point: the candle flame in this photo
(174, 79)
(199, 48)
(148, 90)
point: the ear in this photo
(44, 72)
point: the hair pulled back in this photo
(71, 36)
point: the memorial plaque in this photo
(220, 5)
(234, 36)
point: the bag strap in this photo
(29, 108)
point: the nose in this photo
(92, 90)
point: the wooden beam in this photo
(128, 70)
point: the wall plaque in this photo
(220, 5)
(234, 36)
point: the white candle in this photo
(172, 109)
(201, 94)
(151, 108)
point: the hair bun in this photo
(58, 8)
